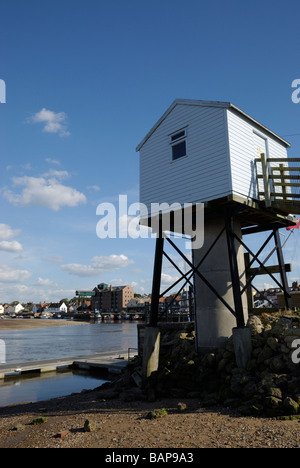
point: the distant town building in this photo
(1, 309)
(295, 295)
(38, 308)
(84, 307)
(14, 309)
(111, 299)
(56, 307)
(275, 297)
(138, 305)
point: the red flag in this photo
(297, 226)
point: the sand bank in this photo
(31, 324)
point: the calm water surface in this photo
(45, 387)
(60, 342)
(65, 341)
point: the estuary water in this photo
(59, 342)
(68, 341)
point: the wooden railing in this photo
(278, 180)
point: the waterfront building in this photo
(295, 296)
(38, 308)
(56, 307)
(138, 306)
(111, 299)
(14, 309)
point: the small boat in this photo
(108, 317)
(136, 317)
(97, 316)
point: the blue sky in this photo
(85, 81)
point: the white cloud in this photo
(94, 188)
(9, 275)
(24, 293)
(53, 122)
(57, 294)
(56, 174)
(111, 262)
(136, 271)
(6, 232)
(46, 282)
(52, 161)
(80, 270)
(168, 279)
(39, 191)
(54, 259)
(182, 265)
(11, 246)
(98, 265)
(15, 292)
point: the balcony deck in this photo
(280, 183)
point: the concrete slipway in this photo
(112, 363)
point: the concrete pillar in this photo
(151, 350)
(214, 322)
(242, 346)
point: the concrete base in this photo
(242, 346)
(151, 350)
(213, 321)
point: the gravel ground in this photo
(120, 424)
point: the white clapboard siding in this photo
(245, 139)
(222, 145)
(203, 175)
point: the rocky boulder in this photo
(270, 385)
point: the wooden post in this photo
(266, 179)
(283, 183)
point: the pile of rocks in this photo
(270, 385)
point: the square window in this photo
(178, 144)
(179, 150)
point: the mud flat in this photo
(31, 324)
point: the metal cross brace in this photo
(195, 269)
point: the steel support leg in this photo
(156, 281)
(284, 281)
(235, 277)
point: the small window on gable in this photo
(178, 135)
(178, 144)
